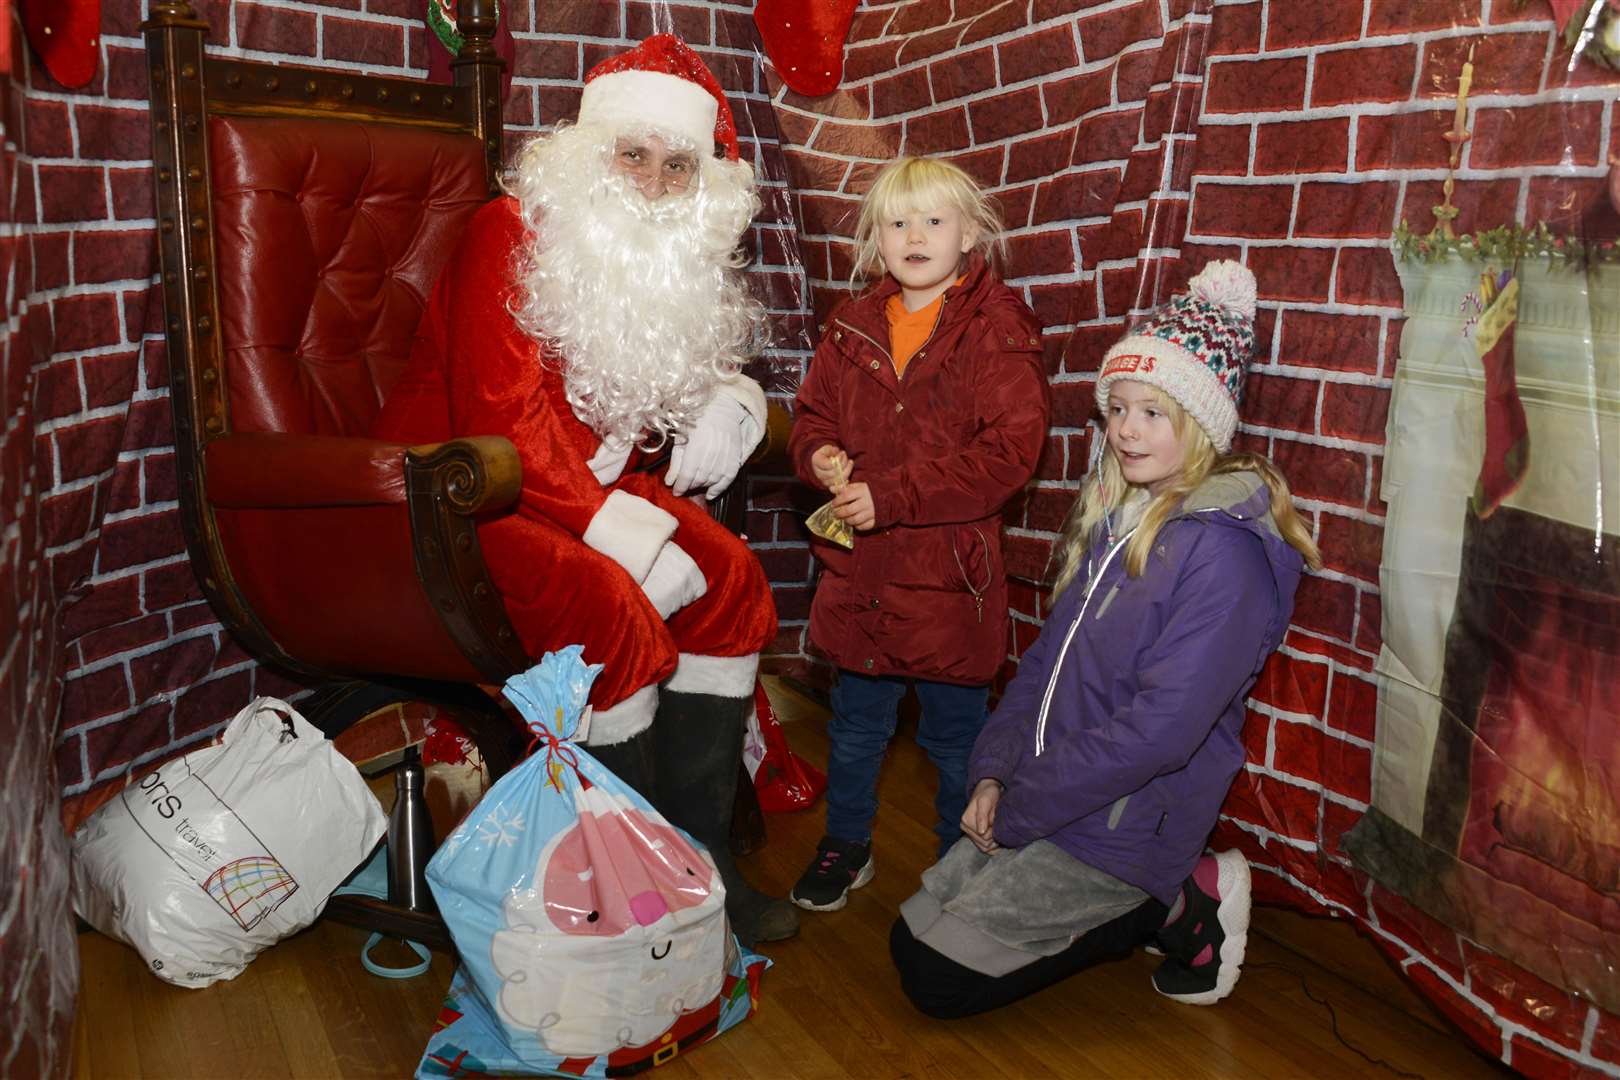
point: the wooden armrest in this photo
(778, 428)
(474, 475)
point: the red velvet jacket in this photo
(924, 593)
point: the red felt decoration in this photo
(805, 41)
(67, 36)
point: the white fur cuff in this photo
(725, 676)
(629, 717)
(674, 581)
(631, 531)
(747, 393)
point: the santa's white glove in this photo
(716, 445)
(674, 580)
(607, 464)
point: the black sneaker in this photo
(1204, 947)
(839, 866)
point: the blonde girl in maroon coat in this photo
(923, 413)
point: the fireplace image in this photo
(1496, 791)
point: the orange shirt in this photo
(909, 329)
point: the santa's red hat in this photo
(660, 84)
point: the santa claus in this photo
(596, 316)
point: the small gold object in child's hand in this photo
(827, 525)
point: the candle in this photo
(1459, 129)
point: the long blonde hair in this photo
(1107, 489)
(910, 184)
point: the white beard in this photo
(642, 300)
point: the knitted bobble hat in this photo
(661, 84)
(1195, 348)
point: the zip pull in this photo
(978, 602)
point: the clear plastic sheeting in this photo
(1496, 775)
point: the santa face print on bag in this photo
(621, 931)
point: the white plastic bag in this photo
(211, 857)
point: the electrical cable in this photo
(1333, 1016)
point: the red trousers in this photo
(558, 591)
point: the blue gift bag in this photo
(592, 932)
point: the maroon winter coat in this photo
(924, 593)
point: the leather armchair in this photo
(303, 217)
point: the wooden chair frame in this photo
(446, 485)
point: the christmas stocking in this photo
(67, 36)
(805, 41)
(1507, 435)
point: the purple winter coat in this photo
(1121, 733)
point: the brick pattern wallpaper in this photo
(1128, 141)
(39, 958)
(1131, 141)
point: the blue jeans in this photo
(865, 709)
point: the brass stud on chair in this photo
(272, 83)
(189, 71)
(310, 86)
(346, 90)
(233, 80)
(213, 425)
(382, 93)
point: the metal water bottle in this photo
(410, 837)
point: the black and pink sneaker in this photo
(1205, 944)
(839, 866)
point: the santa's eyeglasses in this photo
(649, 160)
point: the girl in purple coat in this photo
(923, 412)
(1097, 781)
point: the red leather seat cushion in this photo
(329, 237)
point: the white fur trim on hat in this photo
(1157, 362)
(651, 99)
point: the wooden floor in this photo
(831, 1006)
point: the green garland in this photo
(1505, 244)
(444, 26)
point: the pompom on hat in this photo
(1195, 348)
(664, 85)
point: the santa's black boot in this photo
(631, 761)
(698, 739)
